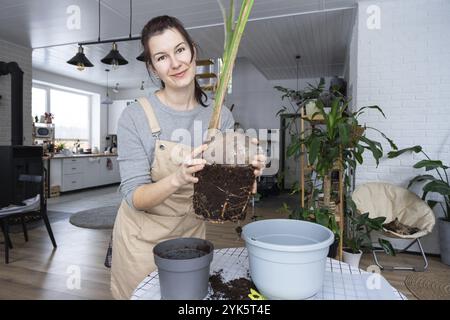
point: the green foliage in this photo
(431, 184)
(321, 216)
(360, 229)
(60, 146)
(337, 139)
(341, 138)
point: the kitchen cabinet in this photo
(71, 166)
(92, 172)
(72, 182)
(114, 111)
(109, 170)
(80, 172)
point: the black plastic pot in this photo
(183, 267)
(444, 240)
(332, 252)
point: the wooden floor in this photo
(397, 278)
(36, 271)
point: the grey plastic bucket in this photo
(181, 276)
(287, 258)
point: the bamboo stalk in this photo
(327, 190)
(229, 57)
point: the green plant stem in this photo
(229, 59)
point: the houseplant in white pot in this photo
(437, 184)
(358, 238)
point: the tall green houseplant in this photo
(339, 142)
(437, 184)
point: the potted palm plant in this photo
(437, 184)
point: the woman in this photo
(157, 187)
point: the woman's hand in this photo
(259, 163)
(184, 174)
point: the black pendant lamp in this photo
(114, 58)
(80, 60)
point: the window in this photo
(39, 102)
(71, 113)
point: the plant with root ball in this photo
(225, 184)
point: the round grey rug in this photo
(97, 218)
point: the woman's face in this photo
(171, 58)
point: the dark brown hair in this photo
(156, 26)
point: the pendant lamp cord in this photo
(107, 83)
(98, 20)
(131, 14)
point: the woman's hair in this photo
(156, 26)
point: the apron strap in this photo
(154, 125)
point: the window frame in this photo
(47, 89)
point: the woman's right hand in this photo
(184, 174)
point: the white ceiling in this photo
(278, 30)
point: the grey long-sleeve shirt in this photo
(136, 144)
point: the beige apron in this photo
(137, 232)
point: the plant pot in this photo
(183, 267)
(311, 108)
(287, 257)
(351, 258)
(444, 240)
(332, 252)
(222, 192)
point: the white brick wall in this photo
(404, 68)
(10, 52)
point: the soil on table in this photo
(237, 289)
(223, 192)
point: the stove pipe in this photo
(16, 73)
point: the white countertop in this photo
(87, 155)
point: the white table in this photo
(341, 281)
